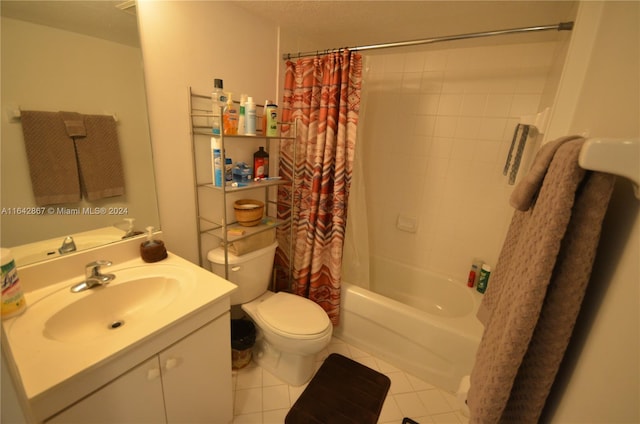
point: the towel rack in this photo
(620, 157)
(14, 115)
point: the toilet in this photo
(291, 328)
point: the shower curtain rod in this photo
(562, 26)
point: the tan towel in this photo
(536, 290)
(74, 124)
(51, 157)
(99, 158)
(524, 193)
(252, 243)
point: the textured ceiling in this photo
(101, 19)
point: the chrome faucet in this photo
(68, 245)
(93, 277)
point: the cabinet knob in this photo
(171, 363)
(153, 373)
(235, 268)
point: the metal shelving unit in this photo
(201, 112)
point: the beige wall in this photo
(189, 43)
(600, 379)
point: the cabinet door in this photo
(134, 397)
(196, 376)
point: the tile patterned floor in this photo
(261, 398)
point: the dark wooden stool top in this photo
(343, 391)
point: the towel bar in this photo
(620, 157)
(14, 115)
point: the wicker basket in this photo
(248, 212)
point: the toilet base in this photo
(291, 368)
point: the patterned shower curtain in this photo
(321, 94)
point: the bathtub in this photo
(423, 323)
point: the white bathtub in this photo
(420, 322)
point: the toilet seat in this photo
(293, 316)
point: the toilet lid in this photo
(293, 314)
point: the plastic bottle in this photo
(472, 275)
(216, 161)
(152, 250)
(13, 302)
(230, 117)
(218, 100)
(271, 114)
(242, 115)
(261, 164)
(264, 116)
(474, 272)
(228, 167)
(483, 280)
(250, 119)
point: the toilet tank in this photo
(251, 272)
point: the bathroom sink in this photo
(128, 300)
(67, 344)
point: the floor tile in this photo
(262, 398)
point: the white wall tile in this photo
(447, 138)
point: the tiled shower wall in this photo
(436, 129)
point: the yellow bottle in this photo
(230, 117)
(13, 302)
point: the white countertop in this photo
(78, 367)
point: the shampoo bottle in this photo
(230, 117)
(271, 115)
(250, 119)
(261, 164)
(216, 161)
(13, 302)
(483, 279)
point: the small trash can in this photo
(243, 337)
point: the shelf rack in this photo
(201, 111)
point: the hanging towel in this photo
(536, 291)
(51, 157)
(74, 124)
(524, 193)
(99, 158)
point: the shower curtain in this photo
(321, 94)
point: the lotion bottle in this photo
(250, 119)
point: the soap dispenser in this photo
(152, 250)
(131, 231)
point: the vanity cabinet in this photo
(189, 382)
(216, 221)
